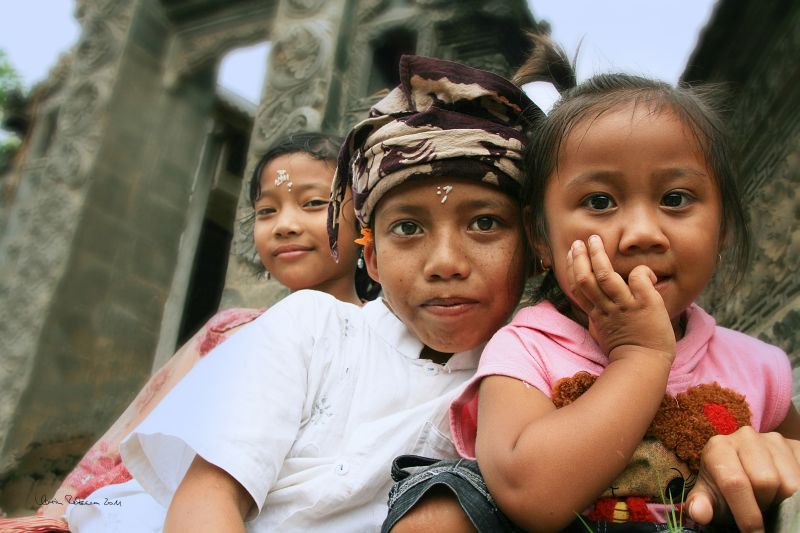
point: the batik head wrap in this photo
(444, 119)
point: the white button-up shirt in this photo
(306, 407)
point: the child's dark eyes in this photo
(599, 202)
(675, 199)
(405, 228)
(484, 223)
(317, 202)
(264, 211)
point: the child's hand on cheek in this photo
(742, 474)
(620, 314)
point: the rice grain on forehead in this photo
(443, 120)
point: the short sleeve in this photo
(778, 388)
(239, 408)
(509, 353)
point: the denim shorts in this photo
(461, 476)
(464, 479)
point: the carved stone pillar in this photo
(36, 247)
(91, 245)
(295, 97)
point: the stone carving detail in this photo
(297, 56)
(92, 53)
(77, 114)
(191, 52)
(304, 8)
(294, 98)
(776, 250)
(756, 113)
(491, 62)
(786, 334)
(367, 9)
(33, 256)
(767, 127)
(769, 136)
(456, 45)
(293, 93)
(508, 10)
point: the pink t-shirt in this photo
(541, 346)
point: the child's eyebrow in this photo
(324, 188)
(404, 209)
(680, 172)
(470, 203)
(486, 203)
(592, 176)
(609, 176)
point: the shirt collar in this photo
(700, 327)
(391, 329)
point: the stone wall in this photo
(37, 247)
(91, 245)
(753, 48)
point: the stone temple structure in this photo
(116, 225)
(123, 228)
(752, 49)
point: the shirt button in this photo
(431, 369)
(341, 469)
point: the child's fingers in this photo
(642, 282)
(703, 503)
(588, 280)
(742, 474)
(611, 284)
(771, 461)
(579, 274)
(725, 489)
(758, 461)
(787, 462)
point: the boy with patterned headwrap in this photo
(294, 421)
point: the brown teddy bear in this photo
(664, 466)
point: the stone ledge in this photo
(788, 516)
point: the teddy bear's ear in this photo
(721, 418)
(685, 423)
(567, 390)
(725, 410)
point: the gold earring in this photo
(542, 267)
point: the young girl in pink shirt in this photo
(616, 395)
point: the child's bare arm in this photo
(208, 499)
(746, 472)
(544, 465)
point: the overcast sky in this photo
(650, 38)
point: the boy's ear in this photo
(371, 261)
